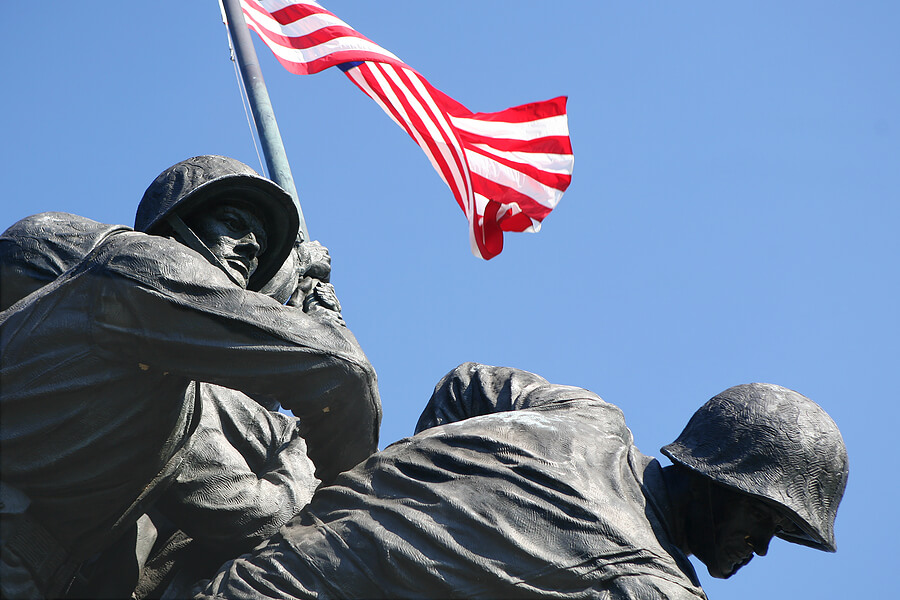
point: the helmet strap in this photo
(712, 515)
(195, 243)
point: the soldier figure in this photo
(517, 488)
(107, 369)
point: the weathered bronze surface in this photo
(515, 487)
(142, 450)
(129, 362)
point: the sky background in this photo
(732, 218)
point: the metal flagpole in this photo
(263, 114)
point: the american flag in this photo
(507, 169)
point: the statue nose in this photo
(250, 245)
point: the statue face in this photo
(234, 235)
(729, 529)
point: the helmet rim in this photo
(774, 444)
(808, 535)
(273, 204)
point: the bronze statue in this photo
(138, 369)
(107, 369)
(513, 487)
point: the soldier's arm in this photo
(246, 474)
(162, 307)
(473, 389)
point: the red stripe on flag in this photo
(507, 195)
(518, 222)
(544, 145)
(366, 70)
(525, 113)
(293, 12)
(448, 139)
(554, 180)
(405, 115)
(319, 36)
(491, 242)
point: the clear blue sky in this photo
(733, 215)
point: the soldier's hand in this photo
(314, 292)
(323, 295)
(315, 261)
(323, 302)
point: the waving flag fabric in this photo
(507, 169)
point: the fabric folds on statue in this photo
(101, 376)
(547, 498)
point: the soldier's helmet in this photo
(192, 184)
(37, 249)
(774, 444)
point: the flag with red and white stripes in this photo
(507, 169)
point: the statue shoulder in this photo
(37, 249)
(58, 237)
(154, 260)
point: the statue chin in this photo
(725, 572)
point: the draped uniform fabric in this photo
(97, 399)
(245, 474)
(513, 487)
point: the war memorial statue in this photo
(516, 488)
(139, 366)
(123, 353)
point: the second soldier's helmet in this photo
(774, 444)
(37, 249)
(184, 188)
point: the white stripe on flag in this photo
(391, 97)
(298, 28)
(560, 164)
(306, 26)
(358, 78)
(501, 174)
(451, 134)
(276, 5)
(307, 55)
(529, 130)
